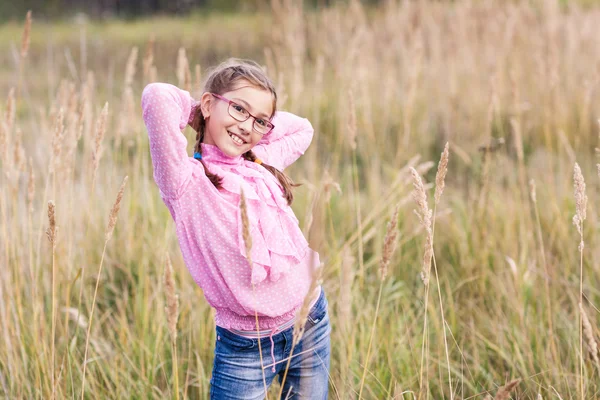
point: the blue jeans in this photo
(237, 370)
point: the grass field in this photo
(512, 294)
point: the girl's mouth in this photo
(236, 139)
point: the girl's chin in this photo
(234, 150)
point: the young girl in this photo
(242, 144)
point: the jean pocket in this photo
(317, 314)
(233, 341)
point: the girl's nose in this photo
(246, 126)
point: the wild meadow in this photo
(470, 271)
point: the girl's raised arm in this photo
(287, 142)
(166, 110)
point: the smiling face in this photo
(231, 136)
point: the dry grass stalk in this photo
(347, 279)
(108, 234)
(389, 247)
(26, 35)
(425, 217)
(9, 117)
(52, 231)
(589, 336)
(389, 243)
(31, 186)
(153, 74)
(580, 201)
(172, 310)
(127, 101)
(248, 247)
(57, 139)
(148, 58)
(100, 131)
(172, 307)
(3, 143)
(246, 228)
(578, 218)
(440, 177)
(198, 78)
(533, 195)
(329, 185)
(282, 94)
(19, 152)
(302, 316)
(504, 392)
(130, 66)
(85, 105)
(112, 220)
(352, 124)
(25, 39)
(6, 126)
(183, 70)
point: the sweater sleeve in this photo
(166, 110)
(287, 142)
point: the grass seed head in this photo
(112, 220)
(148, 57)
(425, 216)
(440, 177)
(246, 228)
(580, 202)
(100, 131)
(532, 191)
(9, 117)
(172, 307)
(26, 35)
(504, 391)
(57, 138)
(389, 243)
(51, 232)
(589, 336)
(130, 67)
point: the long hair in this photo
(222, 79)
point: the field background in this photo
(512, 86)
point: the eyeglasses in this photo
(262, 126)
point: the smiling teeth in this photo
(236, 139)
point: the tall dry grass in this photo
(512, 85)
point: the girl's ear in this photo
(205, 104)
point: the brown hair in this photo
(222, 79)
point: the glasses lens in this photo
(262, 126)
(238, 112)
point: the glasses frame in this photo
(218, 96)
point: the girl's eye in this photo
(262, 122)
(239, 108)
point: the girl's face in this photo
(231, 136)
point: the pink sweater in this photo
(208, 220)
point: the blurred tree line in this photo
(99, 9)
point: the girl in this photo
(242, 144)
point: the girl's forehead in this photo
(258, 101)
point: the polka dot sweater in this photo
(208, 220)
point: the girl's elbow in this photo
(308, 128)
